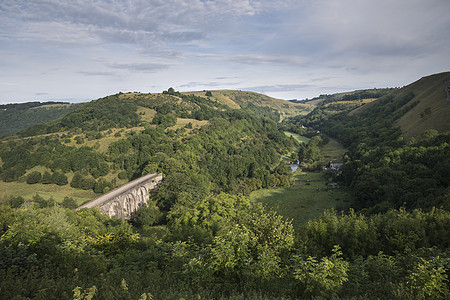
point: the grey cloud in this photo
(139, 67)
(279, 87)
(97, 73)
(207, 84)
(257, 58)
(139, 21)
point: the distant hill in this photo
(256, 101)
(18, 116)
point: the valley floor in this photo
(306, 199)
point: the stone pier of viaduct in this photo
(124, 201)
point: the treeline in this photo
(223, 247)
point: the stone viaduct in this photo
(124, 201)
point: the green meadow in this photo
(27, 191)
(306, 199)
(298, 137)
(311, 193)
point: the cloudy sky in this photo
(79, 50)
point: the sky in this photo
(81, 50)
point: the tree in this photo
(59, 178)
(16, 202)
(47, 178)
(76, 180)
(34, 177)
(69, 202)
(325, 277)
(147, 216)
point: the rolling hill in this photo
(113, 139)
(252, 100)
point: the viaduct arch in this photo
(124, 201)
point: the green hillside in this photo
(114, 139)
(15, 117)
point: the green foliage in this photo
(47, 178)
(385, 171)
(200, 237)
(52, 251)
(69, 202)
(325, 277)
(147, 216)
(88, 183)
(59, 178)
(34, 177)
(16, 202)
(428, 280)
(100, 114)
(165, 120)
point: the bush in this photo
(16, 202)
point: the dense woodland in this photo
(201, 237)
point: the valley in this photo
(229, 219)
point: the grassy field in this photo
(310, 195)
(304, 200)
(298, 137)
(146, 114)
(27, 191)
(333, 150)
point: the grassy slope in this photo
(333, 151)
(298, 137)
(59, 192)
(430, 91)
